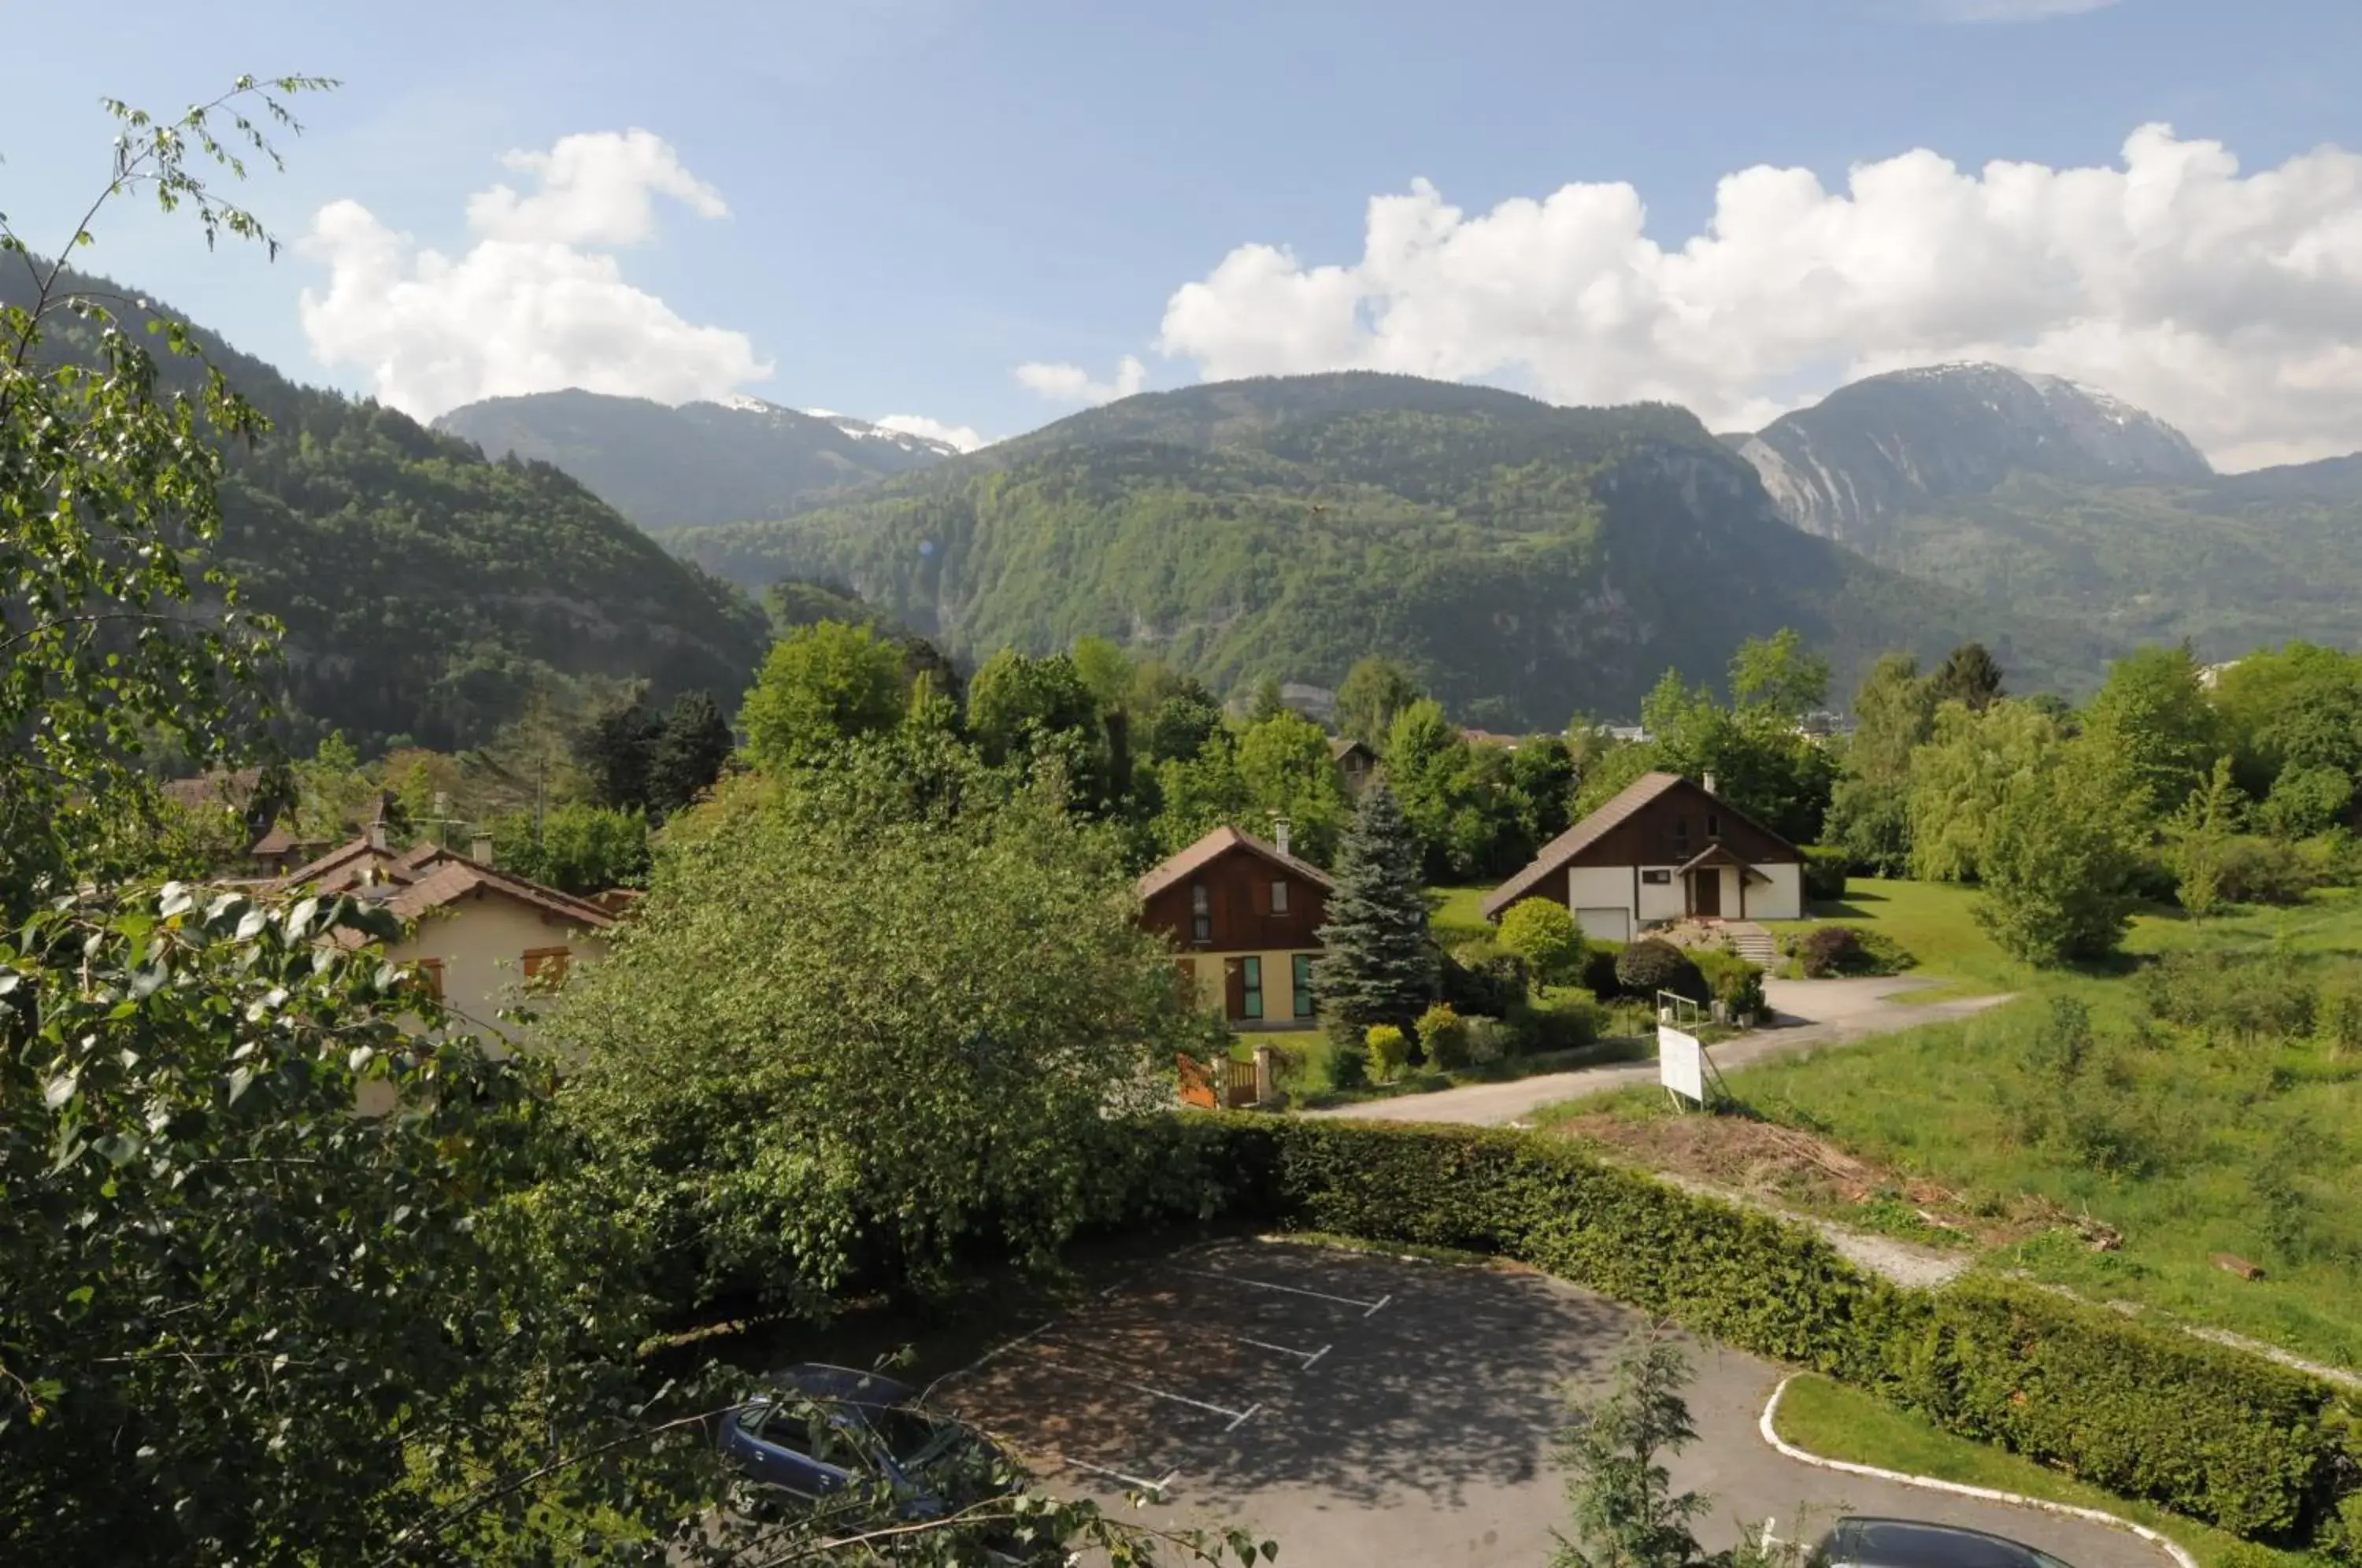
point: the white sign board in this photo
(1681, 1063)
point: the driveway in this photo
(1810, 1014)
(1362, 1409)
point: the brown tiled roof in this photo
(340, 867)
(1342, 745)
(215, 788)
(1581, 836)
(456, 876)
(1212, 847)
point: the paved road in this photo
(1368, 1409)
(1811, 1012)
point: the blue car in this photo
(827, 1428)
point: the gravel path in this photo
(1811, 1012)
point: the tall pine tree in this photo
(689, 752)
(1379, 965)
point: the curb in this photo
(1987, 1493)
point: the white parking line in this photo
(1307, 1357)
(1155, 1487)
(1368, 1307)
(1236, 1416)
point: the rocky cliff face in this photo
(1891, 445)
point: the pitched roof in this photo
(1212, 847)
(1617, 810)
(455, 876)
(1341, 747)
(339, 869)
(218, 787)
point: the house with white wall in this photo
(1664, 849)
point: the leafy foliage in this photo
(574, 848)
(1619, 1495)
(1653, 965)
(822, 684)
(1544, 935)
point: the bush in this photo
(1444, 1035)
(1828, 950)
(1545, 935)
(1558, 1023)
(1826, 866)
(1490, 1040)
(1389, 1049)
(1597, 971)
(2239, 996)
(1484, 979)
(1349, 1065)
(2340, 1014)
(2213, 1432)
(2332, 859)
(2263, 871)
(1653, 965)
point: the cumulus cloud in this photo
(2228, 303)
(2012, 10)
(961, 437)
(1072, 384)
(531, 305)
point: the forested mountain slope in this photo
(702, 462)
(1526, 560)
(427, 591)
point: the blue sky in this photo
(923, 196)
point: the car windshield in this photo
(911, 1436)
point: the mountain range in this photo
(702, 462)
(427, 591)
(1526, 561)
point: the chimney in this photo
(1708, 782)
(480, 849)
(1279, 834)
(377, 834)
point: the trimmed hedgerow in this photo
(2211, 1431)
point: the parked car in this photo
(1919, 1543)
(818, 1430)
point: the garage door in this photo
(1607, 925)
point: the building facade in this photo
(1243, 917)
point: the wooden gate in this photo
(1197, 1084)
(1212, 1086)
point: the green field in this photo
(1837, 1423)
(1456, 915)
(2191, 1143)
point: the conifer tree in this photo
(1379, 965)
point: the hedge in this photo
(2216, 1433)
(1826, 867)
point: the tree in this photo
(1619, 1495)
(1541, 778)
(690, 752)
(822, 684)
(1779, 674)
(1268, 701)
(2307, 801)
(576, 848)
(2154, 712)
(615, 752)
(1870, 807)
(1960, 779)
(2058, 857)
(1105, 672)
(1180, 727)
(826, 977)
(1198, 794)
(1970, 676)
(2200, 835)
(1284, 764)
(1373, 692)
(1544, 935)
(1378, 965)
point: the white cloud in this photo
(2229, 304)
(960, 436)
(2012, 10)
(528, 307)
(1072, 384)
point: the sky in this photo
(972, 217)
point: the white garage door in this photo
(1607, 925)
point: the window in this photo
(427, 976)
(1201, 913)
(1713, 825)
(1303, 978)
(1249, 987)
(545, 965)
(1279, 898)
(1657, 878)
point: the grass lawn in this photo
(1837, 1423)
(1309, 1083)
(1934, 922)
(2190, 1147)
(1454, 915)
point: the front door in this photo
(1706, 893)
(1234, 990)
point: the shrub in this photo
(2263, 871)
(1444, 1035)
(2242, 995)
(1741, 989)
(1490, 1040)
(1653, 965)
(1558, 1022)
(2340, 1014)
(2213, 1432)
(2332, 859)
(1349, 1065)
(1597, 972)
(1484, 978)
(1389, 1049)
(1828, 950)
(1546, 936)
(1826, 866)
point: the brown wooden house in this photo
(1663, 849)
(1355, 762)
(1243, 916)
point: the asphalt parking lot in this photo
(1362, 1409)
